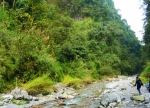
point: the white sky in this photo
(130, 10)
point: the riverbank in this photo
(90, 96)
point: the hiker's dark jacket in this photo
(138, 82)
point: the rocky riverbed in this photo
(109, 93)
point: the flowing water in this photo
(88, 97)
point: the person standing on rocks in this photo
(138, 83)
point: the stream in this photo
(110, 93)
(88, 97)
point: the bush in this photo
(39, 84)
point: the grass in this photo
(145, 75)
(71, 81)
(39, 84)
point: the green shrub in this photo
(39, 84)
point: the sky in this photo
(130, 10)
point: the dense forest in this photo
(145, 50)
(49, 41)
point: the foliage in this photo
(69, 81)
(39, 84)
(54, 40)
(146, 36)
(146, 72)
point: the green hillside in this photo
(51, 40)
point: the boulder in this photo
(110, 98)
(139, 98)
(7, 97)
(19, 94)
(59, 88)
(1, 103)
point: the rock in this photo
(75, 94)
(146, 102)
(45, 93)
(121, 104)
(110, 98)
(139, 98)
(107, 91)
(147, 95)
(132, 98)
(123, 88)
(111, 85)
(69, 91)
(61, 103)
(63, 96)
(1, 103)
(6, 100)
(59, 88)
(135, 94)
(147, 105)
(140, 104)
(135, 103)
(35, 99)
(112, 105)
(70, 97)
(20, 94)
(100, 106)
(18, 97)
(26, 96)
(7, 97)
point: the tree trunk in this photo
(3, 4)
(13, 4)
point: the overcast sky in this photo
(130, 10)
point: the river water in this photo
(88, 97)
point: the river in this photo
(88, 97)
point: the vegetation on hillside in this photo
(80, 39)
(145, 50)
